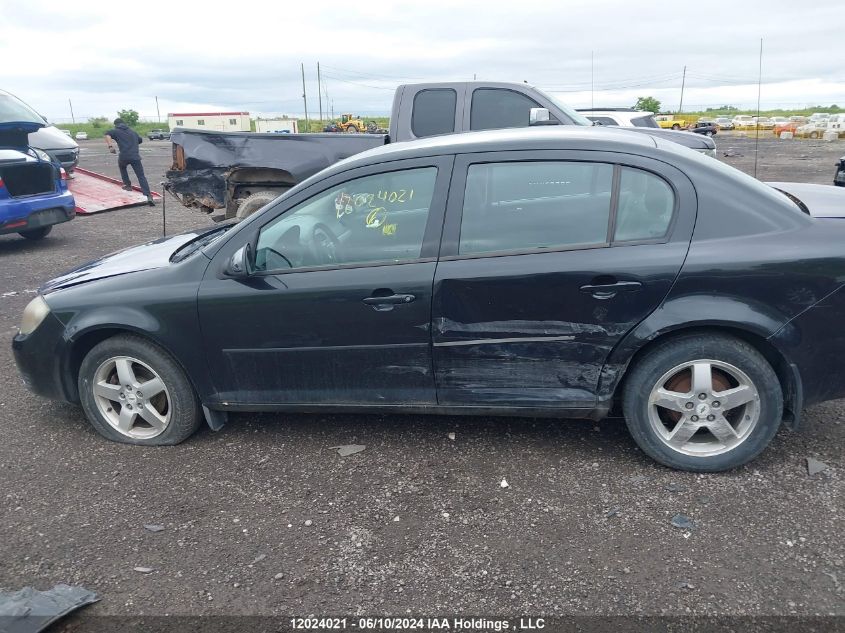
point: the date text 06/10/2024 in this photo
(477, 625)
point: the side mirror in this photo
(238, 266)
(540, 116)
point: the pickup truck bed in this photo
(217, 170)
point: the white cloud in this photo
(104, 56)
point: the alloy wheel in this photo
(132, 397)
(704, 407)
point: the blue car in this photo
(33, 190)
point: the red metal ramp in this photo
(95, 192)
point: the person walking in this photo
(127, 141)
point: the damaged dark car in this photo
(558, 272)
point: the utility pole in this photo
(305, 98)
(158, 112)
(73, 120)
(320, 93)
(683, 83)
(759, 88)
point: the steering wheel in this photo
(324, 244)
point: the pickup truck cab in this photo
(240, 172)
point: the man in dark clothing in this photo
(127, 141)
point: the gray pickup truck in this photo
(239, 172)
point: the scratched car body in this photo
(557, 272)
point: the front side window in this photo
(434, 112)
(374, 219)
(645, 208)
(497, 108)
(535, 205)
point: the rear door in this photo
(548, 259)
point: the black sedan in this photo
(708, 128)
(559, 272)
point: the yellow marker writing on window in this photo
(389, 229)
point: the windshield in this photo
(189, 248)
(13, 109)
(577, 118)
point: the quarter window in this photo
(646, 205)
(535, 205)
(434, 112)
(375, 219)
(497, 108)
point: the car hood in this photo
(688, 139)
(155, 254)
(49, 137)
(822, 201)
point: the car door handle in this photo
(387, 301)
(609, 289)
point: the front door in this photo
(337, 307)
(546, 264)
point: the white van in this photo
(836, 122)
(49, 138)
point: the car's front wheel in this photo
(703, 402)
(134, 392)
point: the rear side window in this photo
(434, 112)
(646, 205)
(534, 205)
(497, 108)
(644, 121)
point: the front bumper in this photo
(69, 157)
(38, 358)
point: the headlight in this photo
(42, 155)
(33, 314)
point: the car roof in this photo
(515, 139)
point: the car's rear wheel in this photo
(703, 402)
(37, 234)
(676, 127)
(134, 392)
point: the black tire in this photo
(352, 129)
(254, 202)
(185, 415)
(676, 127)
(648, 370)
(36, 234)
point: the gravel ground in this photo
(265, 518)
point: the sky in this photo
(206, 56)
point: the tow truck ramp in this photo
(95, 192)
